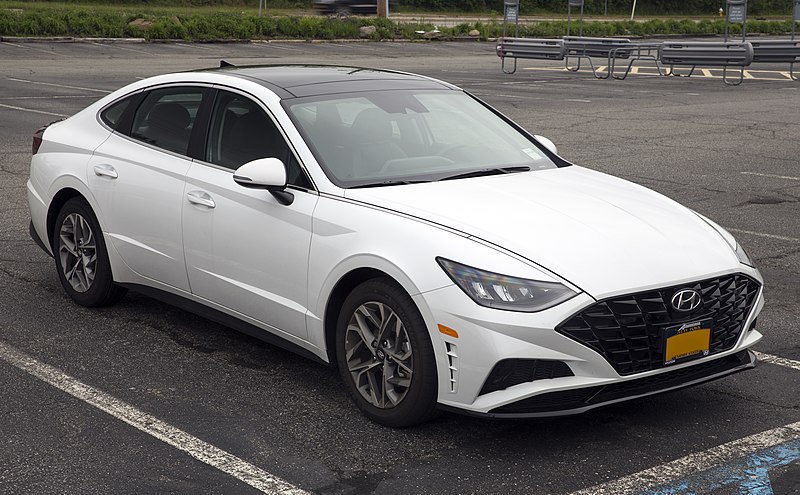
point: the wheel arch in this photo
(344, 286)
(58, 201)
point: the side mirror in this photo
(265, 173)
(547, 143)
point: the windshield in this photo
(397, 137)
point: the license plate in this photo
(687, 341)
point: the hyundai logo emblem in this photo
(686, 300)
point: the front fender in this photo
(349, 235)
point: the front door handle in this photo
(105, 171)
(201, 198)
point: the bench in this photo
(713, 54)
(530, 48)
(777, 51)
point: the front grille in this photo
(628, 331)
(510, 372)
(580, 398)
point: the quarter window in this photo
(112, 116)
(166, 117)
(242, 132)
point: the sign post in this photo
(576, 4)
(736, 13)
(511, 15)
(795, 15)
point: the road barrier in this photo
(584, 48)
(530, 48)
(726, 54)
(711, 54)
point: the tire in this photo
(392, 381)
(79, 246)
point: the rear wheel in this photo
(81, 256)
(385, 355)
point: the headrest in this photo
(170, 115)
(372, 126)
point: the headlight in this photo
(743, 256)
(502, 292)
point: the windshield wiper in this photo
(388, 183)
(487, 171)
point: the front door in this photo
(245, 250)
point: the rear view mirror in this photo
(264, 173)
(547, 143)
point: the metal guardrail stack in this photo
(726, 54)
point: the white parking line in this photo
(54, 97)
(769, 358)
(119, 47)
(695, 463)
(200, 450)
(788, 177)
(31, 110)
(762, 234)
(58, 85)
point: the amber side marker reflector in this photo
(448, 331)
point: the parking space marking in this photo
(24, 47)
(671, 475)
(200, 450)
(31, 110)
(54, 97)
(768, 75)
(762, 234)
(119, 47)
(769, 358)
(58, 85)
(773, 176)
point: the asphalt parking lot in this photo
(733, 154)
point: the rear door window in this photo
(166, 117)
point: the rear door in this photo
(137, 176)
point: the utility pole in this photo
(633, 11)
(383, 8)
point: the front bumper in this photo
(486, 337)
(580, 400)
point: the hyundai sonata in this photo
(398, 228)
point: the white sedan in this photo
(398, 228)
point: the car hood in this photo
(605, 235)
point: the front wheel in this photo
(385, 356)
(81, 256)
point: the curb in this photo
(70, 39)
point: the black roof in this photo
(290, 81)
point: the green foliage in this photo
(40, 20)
(595, 7)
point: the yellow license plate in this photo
(687, 341)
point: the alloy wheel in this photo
(77, 252)
(379, 355)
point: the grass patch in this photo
(228, 22)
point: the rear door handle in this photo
(105, 171)
(201, 198)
